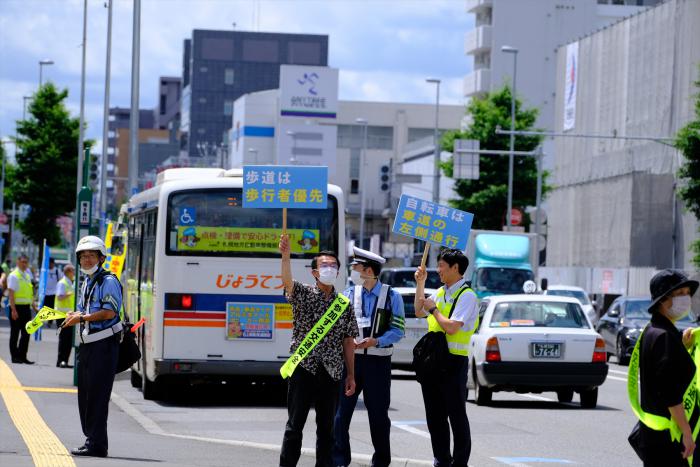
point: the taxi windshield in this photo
(538, 314)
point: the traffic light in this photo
(94, 175)
(385, 177)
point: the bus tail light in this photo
(599, 353)
(493, 353)
(186, 301)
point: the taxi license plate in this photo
(546, 349)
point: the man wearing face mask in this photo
(380, 317)
(668, 410)
(315, 380)
(100, 331)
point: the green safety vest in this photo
(457, 343)
(68, 303)
(25, 294)
(690, 397)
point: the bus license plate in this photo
(546, 350)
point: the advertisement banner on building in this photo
(308, 91)
(570, 86)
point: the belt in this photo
(98, 336)
(379, 351)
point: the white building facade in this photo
(613, 214)
(536, 28)
(260, 135)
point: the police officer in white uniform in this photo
(380, 316)
(98, 316)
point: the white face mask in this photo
(356, 277)
(327, 275)
(680, 307)
(90, 271)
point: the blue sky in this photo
(384, 48)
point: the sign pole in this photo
(284, 221)
(425, 254)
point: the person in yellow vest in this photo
(21, 295)
(452, 310)
(65, 301)
(666, 370)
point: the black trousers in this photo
(19, 338)
(305, 390)
(65, 342)
(373, 379)
(445, 399)
(97, 363)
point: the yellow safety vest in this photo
(68, 303)
(25, 294)
(457, 343)
(690, 398)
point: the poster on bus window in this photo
(238, 239)
(249, 320)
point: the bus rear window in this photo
(214, 223)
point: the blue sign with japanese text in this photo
(433, 222)
(285, 186)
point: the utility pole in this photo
(105, 122)
(134, 119)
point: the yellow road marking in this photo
(44, 446)
(35, 389)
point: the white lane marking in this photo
(411, 429)
(618, 372)
(536, 397)
(616, 378)
(152, 427)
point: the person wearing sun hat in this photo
(666, 371)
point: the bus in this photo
(205, 273)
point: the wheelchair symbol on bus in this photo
(188, 216)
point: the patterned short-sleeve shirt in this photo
(309, 303)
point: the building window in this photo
(304, 53)
(163, 99)
(201, 131)
(215, 48)
(354, 186)
(202, 100)
(255, 50)
(203, 69)
(355, 155)
(414, 134)
(228, 107)
(228, 76)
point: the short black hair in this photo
(452, 257)
(376, 267)
(314, 262)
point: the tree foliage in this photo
(44, 177)
(486, 197)
(688, 142)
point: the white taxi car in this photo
(414, 329)
(536, 343)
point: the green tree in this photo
(44, 177)
(688, 142)
(487, 197)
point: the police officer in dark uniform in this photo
(100, 331)
(380, 316)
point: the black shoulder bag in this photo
(431, 352)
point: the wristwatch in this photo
(432, 310)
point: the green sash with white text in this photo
(314, 336)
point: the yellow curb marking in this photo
(44, 446)
(36, 389)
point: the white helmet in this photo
(91, 243)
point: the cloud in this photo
(384, 48)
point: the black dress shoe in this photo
(87, 452)
(16, 360)
(27, 362)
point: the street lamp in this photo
(363, 176)
(43, 62)
(514, 51)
